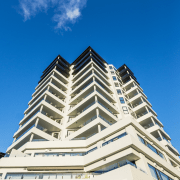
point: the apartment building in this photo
(89, 120)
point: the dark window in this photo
(122, 100)
(161, 155)
(152, 148)
(116, 84)
(112, 72)
(114, 78)
(119, 91)
(110, 67)
(141, 139)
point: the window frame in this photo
(122, 100)
(114, 78)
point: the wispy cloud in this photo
(66, 11)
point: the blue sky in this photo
(142, 34)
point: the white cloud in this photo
(66, 11)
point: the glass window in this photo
(30, 176)
(122, 100)
(152, 148)
(13, 176)
(112, 72)
(158, 174)
(66, 176)
(114, 78)
(59, 176)
(119, 91)
(110, 67)
(153, 172)
(163, 176)
(161, 155)
(141, 139)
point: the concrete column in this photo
(153, 121)
(142, 99)
(99, 128)
(96, 99)
(45, 97)
(97, 112)
(94, 88)
(142, 163)
(51, 80)
(137, 91)
(166, 157)
(160, 135)
(41, 108)
(147, 109)
(59, 135)
(36, 123)
(31, 138)
(93, 78)
(14, 139)
(48, 88)
(93, 71)
(131, 130)
(4, 175)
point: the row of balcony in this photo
(89, 128)
(57, 74)
(86, 68)
(87, 74)
(144, 113)
(87, 82)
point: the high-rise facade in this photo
(89, 120)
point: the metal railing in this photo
(105, 120)
(105, 107)
(49, 175)
(118, 165)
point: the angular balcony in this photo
(89, 73)
(38, 134)
(88, 128)
(138, 97)
(82, 71)
(146, 116)
(54, 80)
(45, 121)
(130, 85)
(152, 128)
(133, 91)
(51, 110)
(90, 110)
(50, 96)
(87, 82)
(52, 88)
(86, 68)
(82, 78)
(170, 146)
(57, 74)
(89, 98)
(82, 86)
(143, 108)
